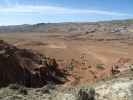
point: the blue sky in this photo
(14, 12)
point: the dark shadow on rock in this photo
(27, 67)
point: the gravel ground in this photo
(120, 88)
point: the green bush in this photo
(100, 66)
(86, 94)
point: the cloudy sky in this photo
(14, 12)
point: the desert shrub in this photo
(14, 86)
(100, 66)
(77, 78)
(71, 65)
(131, 67)
(23, 91)
(86, 94)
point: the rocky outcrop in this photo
(122, 65)
(27, 67)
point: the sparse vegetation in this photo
(86, 93)
(83, 49)
(100, 66)
(23, 91)
(71, 65)
(14, 86)
(131, 67)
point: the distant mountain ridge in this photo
(69, 27)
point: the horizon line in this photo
(124, 19)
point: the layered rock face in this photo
(27, 67)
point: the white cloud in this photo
(51, 10)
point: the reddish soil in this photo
(87, 61)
